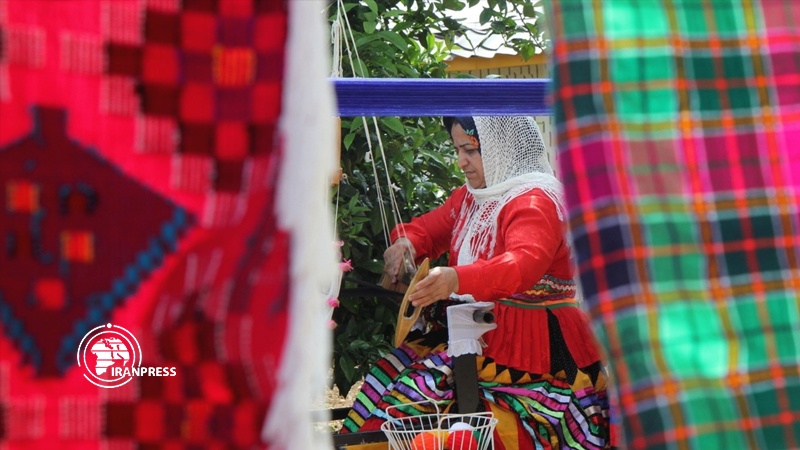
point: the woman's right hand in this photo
(393, 257)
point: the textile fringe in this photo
(302, 208)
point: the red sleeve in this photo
(531, 234)
(431, 232)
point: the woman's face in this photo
(469, 158)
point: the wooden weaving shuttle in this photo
(406, 320)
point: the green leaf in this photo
(455, 5)
(369, 27)
(451, 24)
(372, 5)
(373, 266)
(408, 157)
(432, 154)
(420, 37)
(526, 51)
(393, 13)
(388, 68)
(376, 223)
(402, 26)
(473, 3)
(486, 15)
(359, 344)
(348, 140)
(408, 71)
(395, 39)
(528, 10)
(360, 68)
(532, 28)
(356, 124)
(348, 366)
(367, 38)
(394, 124)
(352, 203)
(430, 40)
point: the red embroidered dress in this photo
(529, 274)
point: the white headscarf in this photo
(514, 161)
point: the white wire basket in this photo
(440, 431)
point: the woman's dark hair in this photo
(466, 122)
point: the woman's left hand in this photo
(438, 285)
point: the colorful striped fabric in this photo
(679, 146)
(567, 409)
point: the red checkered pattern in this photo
(137, 177)
(209, 66)
(81, 53)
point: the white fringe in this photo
(307, 129)
(464, 347)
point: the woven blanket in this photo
(678, 127)
(141, 187)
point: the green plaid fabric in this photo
(679, 145)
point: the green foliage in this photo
(394, 39)
(422, 172)
(516, 21)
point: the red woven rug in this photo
(138, 174)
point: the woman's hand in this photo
(438, 285)
(393, 257)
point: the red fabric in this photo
(530, 244)
(131, 139)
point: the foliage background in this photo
(399, 39)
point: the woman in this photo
(540, 373)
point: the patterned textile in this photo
(547, 289)
(678, 124)
(567, 408)
(138, 186)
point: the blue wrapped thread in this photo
(417, 97)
